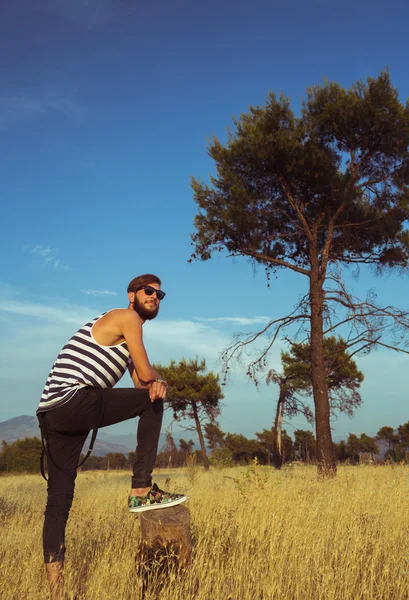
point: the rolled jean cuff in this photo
(138, 483)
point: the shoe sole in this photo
(156, 506)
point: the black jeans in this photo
(67, 428)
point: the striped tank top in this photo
(83, 363)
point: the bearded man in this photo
(79, 397)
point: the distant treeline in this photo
(226, 449)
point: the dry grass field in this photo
(258, 535)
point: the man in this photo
(78, 397)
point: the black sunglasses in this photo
(149, 290)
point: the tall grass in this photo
(258, 535)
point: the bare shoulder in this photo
(118, 314)
(112, 328)
(123, 317)
(112, 316)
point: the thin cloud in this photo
(33, 332)
(260, 320)
(69, 313)
(18, 108)
(46, 256)
(165, 339)
(48, 326)
(99, 293)
(187, 339)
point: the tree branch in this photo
(328, 241)
(276, 261)
(237, 347)
(295, 207)
(388, 175)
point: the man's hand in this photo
(158, 389)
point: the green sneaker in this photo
(155, 498)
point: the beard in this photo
(147, 314)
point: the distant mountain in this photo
(27, 426)
(19, 428)
(24, 426)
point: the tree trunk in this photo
(325, 449)
(166, 533)
(201, 438)
(279, 432)
(277, 429)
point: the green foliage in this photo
(368, 444)
(113, 460)
(21, 455)
(186, 448)
(266, 440)
(341, 370)
(304, 445)
(288, 447)
(387, 433)
(238, 449)
(310, 193)
(214, 436)
(221, 458)
(342, 451)
(346, 157)
(193, 394)
(403, 436)
(244, 450)
(93, 463)
(342, 377)
(191, 389)
(355, 447)
(171, 456)
(252, 481)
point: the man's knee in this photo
(158, 407)
(59, 504)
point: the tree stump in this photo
(166, 533)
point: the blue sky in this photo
(106, 109)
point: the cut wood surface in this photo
(167, 530)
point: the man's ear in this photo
(131, 296)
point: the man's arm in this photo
(142, 373)
(137, 382)
(131, 329)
